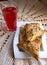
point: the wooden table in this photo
(32, 10)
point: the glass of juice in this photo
(10, 17)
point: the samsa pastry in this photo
(31, 48)
(30, 39)
(33, 30)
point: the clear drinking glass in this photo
(10, 17)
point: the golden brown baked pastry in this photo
(31, 48)
(22, 36)
(33, 30)
(30, 39)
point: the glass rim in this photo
(15, 10)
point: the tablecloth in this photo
(28, 10)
